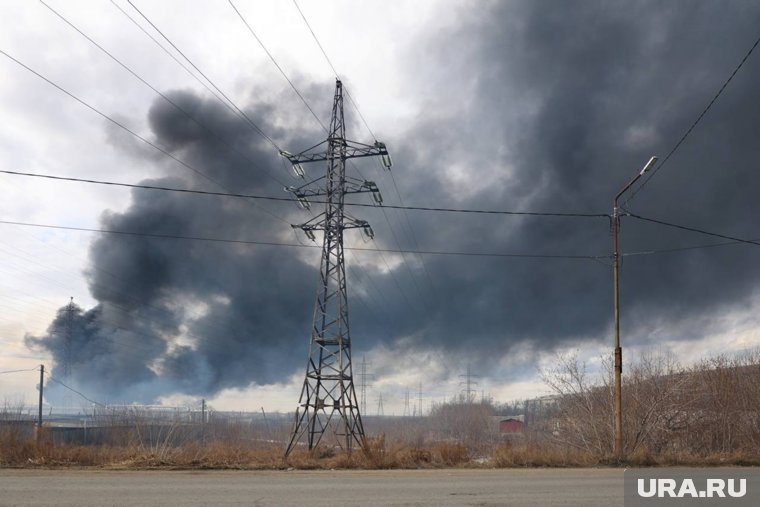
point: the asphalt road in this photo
(523, 487)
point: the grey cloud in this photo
(560, 103)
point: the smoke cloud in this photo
(532, 105)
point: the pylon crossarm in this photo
(306, 188)
(296, 159)
(353, 149)
(352, 186)
(349, 223)
(354, 223)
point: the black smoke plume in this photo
(532, 105)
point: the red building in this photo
(510, 425)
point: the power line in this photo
(298, 245)
(693, 125)
(216, 95)
(324, 53)
(250, 29)
(169, 53)
(694, 229)
(316, 39)
(159, 93)
(126, 129)
(50, 377)
(290, 200)
(245, 116)
(406, 264)
(412, 234)
(17, 371)
(115, 122)
(683, 248)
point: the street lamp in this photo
(618, 349)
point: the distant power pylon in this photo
(407, 412)
(380, 410)
(468, 384)
(67, 354)
(420, 413)
(329, 384)
(363, 385)
(67, 340)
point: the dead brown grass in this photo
(706, 415)
(509, 455)
(29, 453)
(381, 455)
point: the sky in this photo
(538, 106)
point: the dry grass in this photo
(379, 455)
(705, 415)
(27, 453)
(509, 455)
(17, 451)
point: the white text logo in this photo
(687, 489)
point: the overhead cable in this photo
(125, 128)
(161, 94)
(240, 111)
(74, 390)
(17, 371)
(693, 229)
(297, 245)
(290, 200)
(694, 124)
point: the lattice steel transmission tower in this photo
(419, 400)
(67, 339)
(363, 385)
(67, 356)
(329, 384)
(469, 391)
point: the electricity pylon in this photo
(363, 377)
(329, 384)
(468, 384)
(66, 360)
(67, 339)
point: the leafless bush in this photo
(583, 419)
(708, 413)
(465, 422)
(670, 412)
